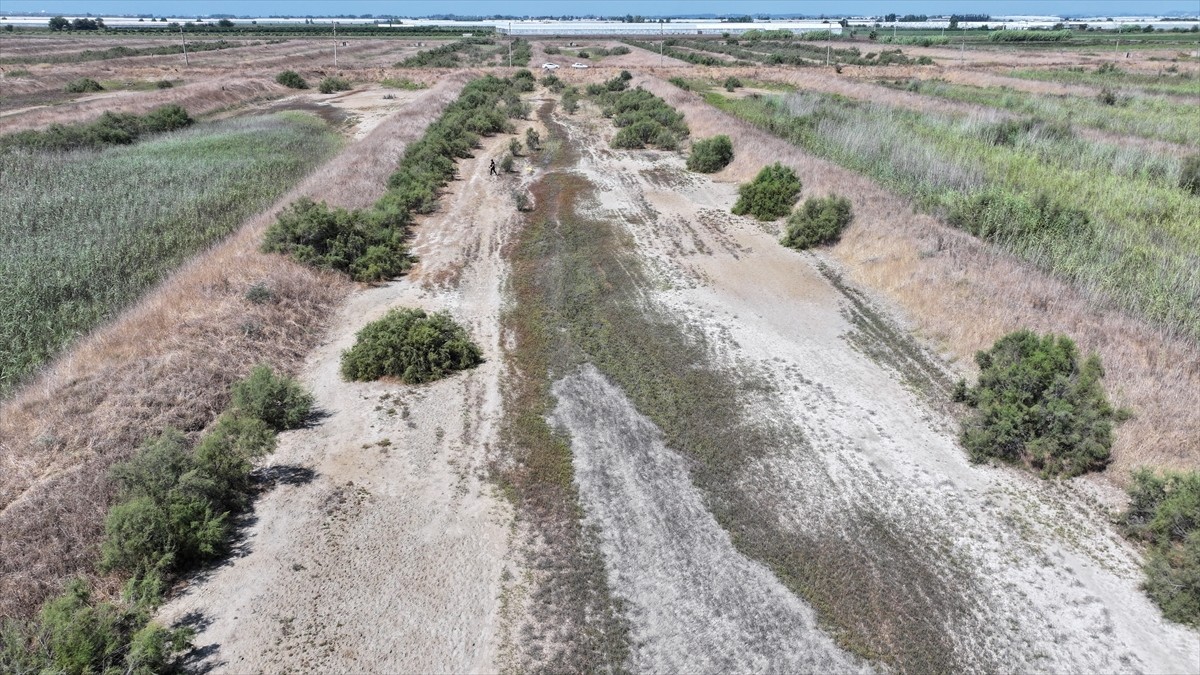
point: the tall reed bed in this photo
(1110, 222)
(86, 233)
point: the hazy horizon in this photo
(602, 7)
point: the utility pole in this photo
(184, 41)
(661, 41)
(510, 52)
(827, 48)
(335, 45)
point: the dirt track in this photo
(388, 556)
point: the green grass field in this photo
(1130, 113)
(84, 234)
(1138, 247)
(1182, 81)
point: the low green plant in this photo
(1036, 403)
(1164, 511)
(681, 83)
(410, 345)
(818, 221)
(533, 140)
(83, 85)
(1189, 174)
(366, 244)
(643, 118)
(164, 84)
(514, 147)
(506, 164)
(770, 195)
(292, 80)
(711, 154)
(401, 83)
(570, 100)
(277, 400)
(552, 82)
(334, 84)
(732, 83)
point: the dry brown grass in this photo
(168, 361)
(962, 295)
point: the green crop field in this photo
(1174, 80)
(83, 234)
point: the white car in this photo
(549, 66)
(579, 65)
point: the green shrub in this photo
(514, 147)
(1036, 403)
(367, 245)
(164, 84)
(333, 84)
(732, 83)
(167, 519)
(552, 82)
(1165, 511)
(506, 164)
(1189, 174)
(570, 100)
(411, 345)
(83, 85)
(818, 221)
(279, 401)
(642, 116)
(770, 195)
(711, 154)
(1008, 218)
(225, 457)
(551, 49)
(292, 80)
(681, 83)
(74, 633)
(109, 129)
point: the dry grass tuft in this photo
(168, 361)
(963, 294)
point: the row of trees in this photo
(61, 23)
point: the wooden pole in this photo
(184, 41)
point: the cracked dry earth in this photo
(385, 548)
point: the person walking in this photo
(492, 170)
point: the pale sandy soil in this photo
(1049, 584)
(390, 557)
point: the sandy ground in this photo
(1050, 585)
(387, 555)
(696, 603)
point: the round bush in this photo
(277, 400)
(1189, 174)
(411, 345)
(1036, 403)
(711, 154)
(817, 221)
(291, 79)
(770, 195)
(330, 85)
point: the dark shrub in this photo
(681, 83)
(770, 195)
(1037, 404)
(333, 84)
(83, 85)
(1006, 218)
(732, 83)
(1189, 174)
(291, 79)
(1164, 510)
(367, 245)
(279, 401)
(109, 129)
(411, 345)
(711, 154)
(552, 82)
(164, 84)
(225, 454)
(165, 118)
(817, 221)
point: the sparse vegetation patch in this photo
(110, 129)
(291, 79)
(1164, 511)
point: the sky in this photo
(603, 7)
